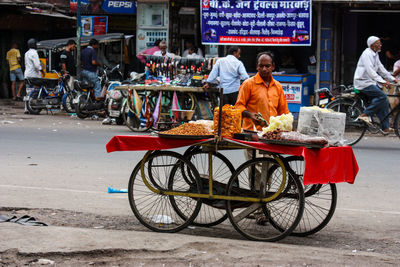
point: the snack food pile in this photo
(230, 122)
(283, 122)
(295, 137)
(189, 129)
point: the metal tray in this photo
(182, 136)
(290, 143)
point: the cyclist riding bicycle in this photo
(369, 73)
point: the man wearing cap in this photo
(369, 73)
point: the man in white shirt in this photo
(188, 45)
(32, 62)
(230, 71)
(163, 50)
(369, 73)
(33, 68)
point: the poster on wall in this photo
(256, 22)
(292, 92)
(94, 25)
(104, 6)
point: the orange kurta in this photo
(255, 96)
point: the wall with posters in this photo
(259, 22)
(94, 25)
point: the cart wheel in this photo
(154, 209)
(253, 219)
(320, 202)
(132, 121)
(212, 212)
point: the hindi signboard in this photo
(256, 22)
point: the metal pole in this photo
(78, 37)
(318, 67)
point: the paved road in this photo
(60, 163)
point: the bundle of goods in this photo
(189, 129)
(315, 121)
(295, 137)
(283, 122)
(231, 121)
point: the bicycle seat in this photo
(50, 83)
(83, 85)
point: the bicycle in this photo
(353, 102)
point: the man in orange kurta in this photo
(261, 94)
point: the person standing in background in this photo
(67, 61)
(90, 64)
(14, 61)
(149, 51)
(163, 50)
(230, 71)
(33, 68)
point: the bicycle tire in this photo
(33, 96)
(354, 129)
(153, 209)
(132, 121)
(320, 201)
(236, 210)
(212, 212)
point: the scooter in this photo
(47, 93)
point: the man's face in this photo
(72, 47)
(237, 54)
(377, 46)
(163, 48)
(265, 66)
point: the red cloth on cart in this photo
(325, 165)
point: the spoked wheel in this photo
(212, 212)
(152, 207)
(320, 201)
(257, 220)
(354, 129)
(80, 107)
(31, 104)
(132, 120)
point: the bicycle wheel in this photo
(396, 125)
(320, 201)
(286, 208)
(132, 120)
(32, 102)
(212, 211)
(354, 129)
(154, 209)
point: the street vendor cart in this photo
(297, 194)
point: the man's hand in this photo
(255, 117)
(206, 86)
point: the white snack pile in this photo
(283, 122)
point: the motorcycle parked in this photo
(116, 99)
(323, 96)
(47, 94)
(86, 103)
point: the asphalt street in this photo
(59, 162)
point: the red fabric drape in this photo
(325, 165)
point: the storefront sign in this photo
(256, 22)
(105, 6)
(94, 25)
(292, 92)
